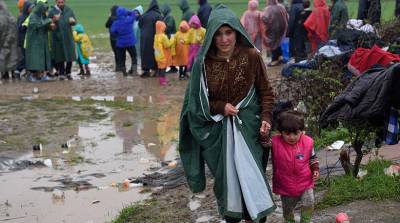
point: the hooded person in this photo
(180, 49)
(27, 8)
(204, 12)
(162, 51)
(8, 41)
(226, 110)
(187, 13)
(136, 30)
(196, 38)
(317, 25)
(369, 10)
(113, 39)
(275, 19)
(251, 21)
(122, 28)
(62, 42)
(84, 49)
(294, 14)
(339, 17)
(168, 20)
(38, 58)
(147, 25)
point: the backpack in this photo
(86, 46)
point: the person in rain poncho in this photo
(38, 58)
(275, 19)
(196, 38)
(339, 17)
(171, 28)
(162, 51)
(226, 111)
(147, 25)
(136, 30)
(122, 28)
(8, 41)
(187, 13)
(204, 12)
(251, 21)
(84, 49)
(369, 10)
(317, 25)
(180, 49)
(62, 42)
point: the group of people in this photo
(303, 26)
(48, 40)
(161, 45)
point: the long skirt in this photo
(193, 50)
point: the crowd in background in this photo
(49, 39)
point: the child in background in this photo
(251, 21)
(295, 166)
(162, 51)
(84, 49)
(196, 38)
(180, 49)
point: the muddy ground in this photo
(116, 128)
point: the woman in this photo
(317, 25)
(275, 18)
(227, 108)
(339, 17)
(113, 37)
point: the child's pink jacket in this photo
(292, 174)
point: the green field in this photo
(93, 13)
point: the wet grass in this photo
(375, 186)
(152, 211)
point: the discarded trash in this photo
(135, 185)
(113, 184)
(37, 147)
(206, 218)
(126, 183)
(58, 195)
(342, 218)
(102, 187)
(48, 163)
(392, 170)
(200, 196)
(145, 190)
(76, 98)
(150, 99)
(144, 160)
(65, 152)
(129, 98)
(361, 173)
(336, 145)
(172, 164)
(35, 90)
(95, 201)
(151, 144)
(194, 205)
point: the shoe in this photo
(16, 75)
(124, 73)
(274, 63)
(31, 78)
(5, 76)
(145, 74)
(69, 77)
(62, 77)
(46, 78)
(172, 70)
(163, 81)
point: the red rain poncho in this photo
(317, 24)
(275, 24)
(251, 20)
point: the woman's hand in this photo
(264, 129)
(315, 175)
(230, 110)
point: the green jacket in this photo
(37, 41)
(217, 140)
(339, 17)
(187, 13)
(62, 41)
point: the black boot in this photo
(81, 70)
(5, 75)
(133, 70)
(87, 70)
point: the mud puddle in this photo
(84, 182)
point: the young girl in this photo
(196, 38)
(180, 49)
(295, 166)
(84, 49)
(162, 51)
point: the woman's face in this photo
(225, 40)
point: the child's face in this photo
(290, 137)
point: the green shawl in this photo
(229, 145)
